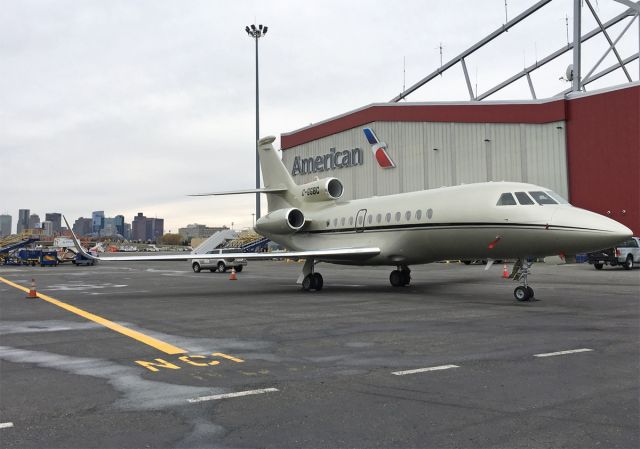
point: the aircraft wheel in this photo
(196, 267)
(406, 277)
(318, 282)
(598, 266)
(521, 293)
(239, 268)
(396, 278)
(530, 291)
(307, 282)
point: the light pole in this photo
(253, 220)
(256, 33)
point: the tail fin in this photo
(276, 177)
(279, 186)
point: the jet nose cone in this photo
(592, 231)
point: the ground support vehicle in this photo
(625, 254)
(215, 261)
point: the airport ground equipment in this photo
(217, 240)
(625, 254)
(33, 257)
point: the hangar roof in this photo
(527, 111)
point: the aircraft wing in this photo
(332, 254)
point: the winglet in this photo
(76, 242)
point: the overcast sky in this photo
(128, 106)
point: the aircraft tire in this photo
(307, 283)
(521, 293)
(530, 291)
(598, 266)
(396, 278)
(239, 268)
(318, 282)
(406, 277)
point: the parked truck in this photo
(33, 257)
(625, 254)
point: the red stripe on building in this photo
(532, 112)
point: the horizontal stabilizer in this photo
(241, 192)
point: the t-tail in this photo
(286, 199)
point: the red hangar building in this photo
(584, 146)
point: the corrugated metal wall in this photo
(430, 155)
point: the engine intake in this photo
(281, 221)
(322, 190)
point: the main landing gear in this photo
(309, 279)
(521, 271)
(401, 276)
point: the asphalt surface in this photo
(318, 366)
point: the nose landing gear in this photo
(521, 270)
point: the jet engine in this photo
(281, 221)
(322, 190)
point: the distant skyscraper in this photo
(139, 227)
(155, 228)
(119, 223)
(34, 221)
(83, 226)
(127, 231)
(5, 225)
(98, 220)
(47, 226)
(23, 220)
(56, 220)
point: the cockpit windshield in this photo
(556, 197)
(542, 198)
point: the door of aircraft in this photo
(360, 216)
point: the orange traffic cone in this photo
(505, 272)
(32, 291)
(233, 276)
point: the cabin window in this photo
(418, 214)
(507, 199)
(398, 216)
(379, 218)
(360, 220)
(370, 218)
(407, 215)
(328, 223)
(542, 198)
(350, 221)
(429, 213)
(388, 217)
(523, 198)
(335, 222)
(342, 221)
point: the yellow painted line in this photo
(155, 343)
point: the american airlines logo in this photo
(329, 161)
(379, 149)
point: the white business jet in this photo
(489, 220)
